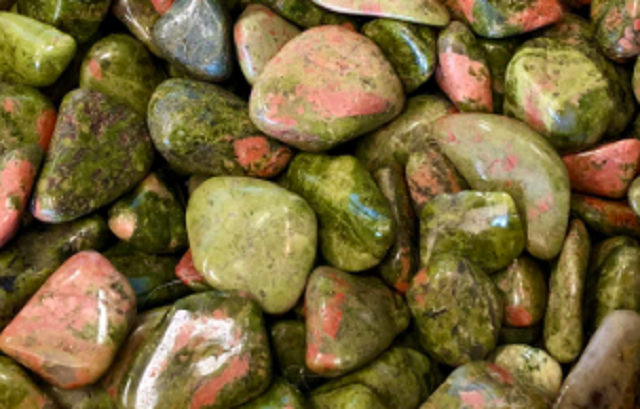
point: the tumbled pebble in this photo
(607, 217)
(616, 28)
(18, 390)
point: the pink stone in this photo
(16, 182)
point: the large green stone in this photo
(17, 389)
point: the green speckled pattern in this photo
(280, 395)
(17, 389)
(601, 251)
(349, 397)
(498, 54)
(616, 28)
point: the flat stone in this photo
(139, 16)
(72, 328)
(429, 12)
(325, 87)
(18, 390)
(616, 28)
(608, 217)
(279, 395)
(187, 273)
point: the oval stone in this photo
(325, 87)
(428, 12)
(616, 25)
(279, 395)
(139, 16)
(18, 390)
(608, 217)
(351, 396)
(252, 235)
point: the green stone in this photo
(572, 29)
(608, 217)
(498, 54)
(484, 228)
(355, 221)
(288, 339)
(306, 14)
(88, 397)
(634, 196)
(279, 395)
(27, 261)
(603, 249)
(32, 53)
(528, 335)
(614, 23)
(121, 67)
(494, 153)
(457, 309)
(17, 389)
(209, 352)
(254, 236)
(349, 397)
(139, 16)
(410, 48)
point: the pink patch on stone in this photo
(454, 77)
(186, 271)
(472, 399)
(95, 69)
(8, 105)
(207, 394)
(123, 225)
(162, 6)
(16, 182)
(466, 6)
(518, 316)
(45, 127)
(539, 14)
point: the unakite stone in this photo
(89, 397)
(524, 292)
(401, 262)
(71, 329)
(608, 217)
(532, 367)
(202, 128)
(634, 196)
(289, 344)
(457, 309)
(401, 377)
(463, 72)
(356, 225)
(17, 389)
(564, 318)
(27, 261)
(151, 218)
(484, 228)
(100, 149)
(252, 235)
(428, 12)
(483, 385)
(406, 134)
(603, 249)
(209, 352)
(606, 374)
(483, 148)
(325, 87)
(622, 90)
(349, 397)
(498, 54)
(411, 49)
(139, 16)
(259, 34)
(279, 395)
(25, 115)
(571, 29)
(187, 273)
(32, 53)
(616, 27)
(196, 36)
(350, 320)
(121, 67)
(306, 14)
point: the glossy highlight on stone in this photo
(428, 12)
(139, 16)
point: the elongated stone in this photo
(252, 235)
(616, 28)
(457, 309)
(325, 87)
(27, 261)
(634, 196)
(350, 320)
(350, 397)
(196, 36)
(411, 49)
(355, 221)
(606, 374)
(201, 128)
(100, 150)
(306, 14)
(524, 291)
(139, 16)
(483, 149)
(289, 341)
(564, 318)
(187, 273)
(71, 329)
(463, 73)
(151, 218)
(88, 397)
(279, 395)
(32, 53)
(611, 218)
(17, 389)
(428, 12)
(484, 228)
(258, 35)
(498, 54)
(209, 352)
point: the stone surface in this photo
(71, 329)
(607, 217)
(457, 309)
(428, 12)
(89, 397)
(634, 196)
(252, 235)
(201, 128)
(139, 16)
(210, 351)
(604, 248)
(350, 320)
(498, 54)
(17, 389)
(100, 149)
(289, 342)
(196, 36)
(616, 28)
(350, 397)
(280, 395)
(187, 273)
(325, 87)
(258, 35)
(355, 221)
(524, 335)
(483, 148)
(463, 73)
(306, 14)
(32, 53)
(484, 228)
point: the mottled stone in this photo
(259, 34)
(289, 342)
(209, 352)
(411, 49)
(252, 235)
(355, 221)
(151, 218)
(187, 273)
(604, 248)
(483, 148)
(564, 318)
(428, 12)
(280, 395)
(71, 329)
(634, 196)
(617, 27)
(484, 228)
(88, 397)
(457, 309)
(607, 372)
(608, 217)
(17, 389)
(498, 54)
(305, 13)
(100, 149)
(32, 53)
(325, 87)
(202, 128)
(463, 73)
(196, 36)
(349, 397)
(139, 16)
(350, 320)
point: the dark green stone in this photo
(528, 335)
(139, 16)
(280, 395)
(88, 397)
(18, 391)
(100, 149)
(349, 397)
(305, 13)
(498, 54)
(603, 249)
(634, 196)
